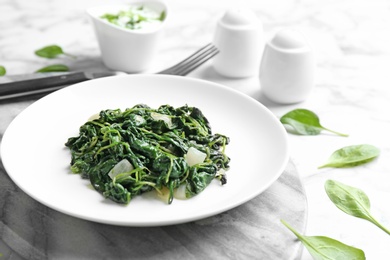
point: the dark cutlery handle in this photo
(40, 84)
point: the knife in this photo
(43, 84)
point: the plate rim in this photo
(167, 222)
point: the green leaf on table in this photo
(305, 122)
(3, 71)
(321, 247)
(352, 201)
(351, 156)
(53, 68)
(51, 52)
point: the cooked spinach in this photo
(126, 153)
(135, 18)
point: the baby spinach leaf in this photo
(305, 122)
(51, 52)
(351, 156)
(2, 70)
(352, 201)
(53, 68)
(321, 247)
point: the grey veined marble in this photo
(30, 230)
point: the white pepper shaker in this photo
(238, 37)
(287, 67)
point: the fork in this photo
(46, 84)
(193, 61)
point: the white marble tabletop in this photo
(351, 94)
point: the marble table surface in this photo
(30, 230)
(351, 95)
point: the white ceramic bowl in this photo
(124, 49)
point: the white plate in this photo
(36, 159)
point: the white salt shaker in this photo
(287, 67)
(238, 37)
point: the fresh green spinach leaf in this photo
(325, 248)
(3, 71)
(305, 122)
(351, 156)
(53, 68)
(352, 201)
(51, 52)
